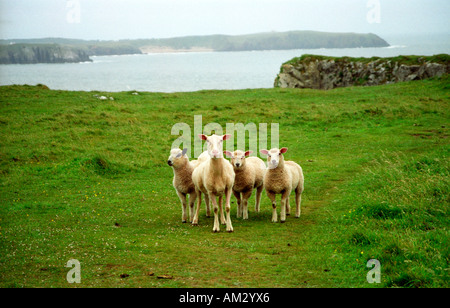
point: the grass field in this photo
(87, 179)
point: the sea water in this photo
(180, 72)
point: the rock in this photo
(320, 72)
(434, 69)
(407, 73)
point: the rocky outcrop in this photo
(41, 53)
(320, 72)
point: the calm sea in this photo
(177, 72)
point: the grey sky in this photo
(122, 19)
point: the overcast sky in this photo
(122, 19)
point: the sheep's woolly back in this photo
(297, 174)
(203, 157)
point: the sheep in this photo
(282, 177)
(182, 179)
(214, 177)
(249, 174)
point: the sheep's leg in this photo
(245, 196)
(197, 210)
(183, 206)
(258, 197)
(288, 206)
(208, 208)
(222, 216)
(284, 204)
(239, 205)
(227, 208)
(216, 227)
(274, 206)
(192, 198)
(298, 201)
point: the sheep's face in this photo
(237, 158)
(274, 156)
(176, 156)
(215, 144)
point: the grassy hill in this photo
(87, 179)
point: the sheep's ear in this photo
(264, 152)
(283, 150)
(203, 137)
(184, 152)
(228, 153)
(225, 137)
(248, 153)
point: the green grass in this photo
(407, 60)
(86, 179)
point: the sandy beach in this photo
(164, 49)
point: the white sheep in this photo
(182, 180)
(282, 177)
(214, 177)
(249, 174)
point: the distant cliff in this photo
(41, 53)
(267, 41)
(321, 72)
(56, 50)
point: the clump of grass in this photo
(361, 239)
(102, 166)
(381, 210)
(409, 280)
